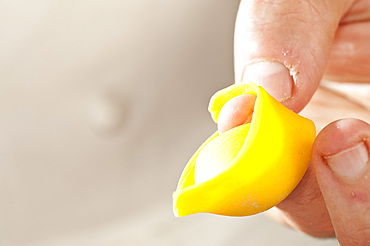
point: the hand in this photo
(288, 46)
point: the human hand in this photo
(288, 46)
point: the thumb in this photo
(341, 159)
(283, 45)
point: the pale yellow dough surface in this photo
(216, 156)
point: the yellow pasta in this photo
(249, 168)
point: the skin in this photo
(236, 117)
(314, 39)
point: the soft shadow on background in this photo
(102, 104)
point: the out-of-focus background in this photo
(102, 103)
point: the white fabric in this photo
(102, 104)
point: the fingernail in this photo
(350, 163)
(274, 77)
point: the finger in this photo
(305, 210)
(284, 45)
(358, 12)
(349, 59)
(341, 160)
(235, 112)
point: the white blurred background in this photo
(102, 103)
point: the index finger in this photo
(284, 45)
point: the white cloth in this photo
(102, 104)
